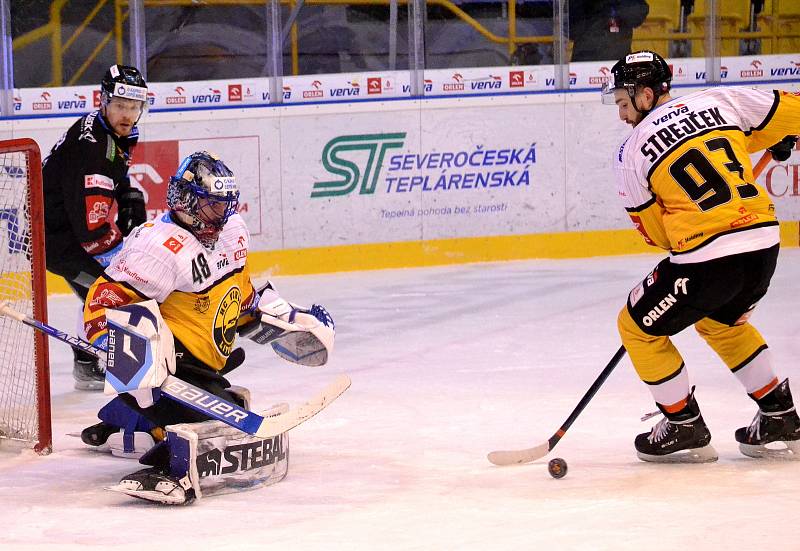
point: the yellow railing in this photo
(655, 31)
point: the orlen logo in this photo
(214, 97)
(756, 71)
(353, 90)
(516, 79)
(605, 76)
(180, 99)
(374, 85)
(78, 103)
(456, 86)
(96, 98)
(315, 92)
(234, 92)
(786, 71)
(368, 164)
(44, 104)
(492, 82)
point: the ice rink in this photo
(447, 364)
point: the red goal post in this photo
(24, 356)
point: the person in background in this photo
(603, 29)
(84, 177)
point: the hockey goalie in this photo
(172, 303)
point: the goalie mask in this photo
(204, 194)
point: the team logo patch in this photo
(97, 207)
(173, 245)
(202, 304)
(225, 320)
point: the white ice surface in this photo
(447, 364)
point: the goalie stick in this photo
(196, 398)
(516, 457)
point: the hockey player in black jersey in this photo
(85, 174)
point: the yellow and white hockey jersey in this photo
(200, 292)
(685, 176)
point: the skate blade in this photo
(787, 451)
(706, 454)
(153, 496)
(89, 385)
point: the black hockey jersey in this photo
(84, 173)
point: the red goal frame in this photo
(29, 147)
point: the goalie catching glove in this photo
(296, 334)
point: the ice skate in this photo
(775, 430)
(87, 372)
(109, 438)
(681, 437)
(154, 484)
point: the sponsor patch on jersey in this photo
(239, 254)
(107, 295)
(97, 207)
(98, 180)
(636, 294)
(226, 319)
(173, 245)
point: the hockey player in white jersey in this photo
(685, 177)
(188, 272)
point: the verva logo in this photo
(492, 82)
(179, 99)
(214, 96)
(234, 92)
(353, 90)
(374, 85)
(78, 103)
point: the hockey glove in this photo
(132, 211)
(782, 150)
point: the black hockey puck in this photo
(557, 468)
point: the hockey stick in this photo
(203, 401)
(515, 457)
(761, 164)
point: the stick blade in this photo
(278, 424)
(503, 458)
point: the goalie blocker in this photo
(203, 459)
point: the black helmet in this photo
(123, 81)
(638, 69)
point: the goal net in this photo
(24, 369)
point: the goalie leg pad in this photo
(209, 458)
